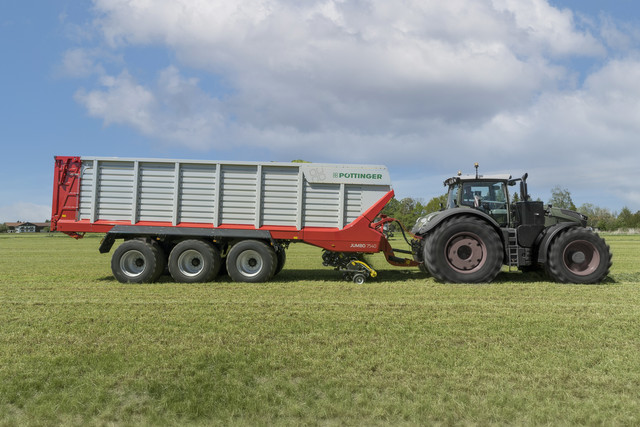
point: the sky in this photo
(426, 87)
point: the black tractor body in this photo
(481, 229)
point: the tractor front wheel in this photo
(463, 249)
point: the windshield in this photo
(481, 194)
(488, 195)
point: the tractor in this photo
(480, 229)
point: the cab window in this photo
(490, 197)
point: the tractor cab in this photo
(485, 193)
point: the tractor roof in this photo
(464, 178)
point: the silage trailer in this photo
(193, 215)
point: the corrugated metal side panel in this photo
(115, 190)
(197, 193)
(352, 203)
(86, 184)
(321, 205)
(279, 195)
(155, 191)
(209, 193)
(238, 190)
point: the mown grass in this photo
(77, 347)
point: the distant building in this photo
(26, 227)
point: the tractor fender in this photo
(435, 220)
(544, 240)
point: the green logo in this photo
(357, 175)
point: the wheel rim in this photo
(465, 252)
(190, 263)
(132, 263)
(581, 257)
(249, 263)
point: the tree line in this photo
(408, 210)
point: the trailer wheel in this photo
(194, 261)
(578, 255)
(281, 256)
(463, 249)
(138, 261)
(251, 261)
(359, 279)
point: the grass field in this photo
(77, 347)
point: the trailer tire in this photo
(251, 261)
(463, 249)
(359, 279)
(194, 261)
(138, 261)
(281, 257)
(578, 255)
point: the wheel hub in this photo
(581, 257)
(132, 263)
(249, 263)
(578, 257)
(465, 252)
(190, 263)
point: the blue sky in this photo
(425, 87)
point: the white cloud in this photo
(345, 66)
(24, 211)
(174, 109)
(542, 27)
(80, 62)
(122, 102)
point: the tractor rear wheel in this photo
(578, 255)
(463, 249)
(418, 256)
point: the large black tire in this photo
(463, 249)
(251, 261)
(578, 255)
(138, 261)
(418, 257)
(194, 261)
(281, 257)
